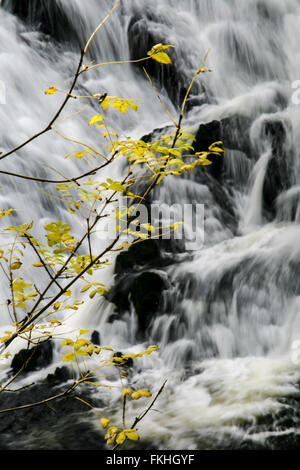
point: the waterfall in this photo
(229, 318)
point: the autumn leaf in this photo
(50, 91)
(161, 57)
(69, 357)
(15, 265)
(132, 106)
(2, 213)
(81, 342)
(95, 119)
(133, 436)
(121, 437)
(104, 422)
(145, 393)
(67, 342)
(105, 103)
(136, 395)
(156, 54)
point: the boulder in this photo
(144, 253)
(63, 424)
(173, 78)
(60, 376)
(95, 338)
(35, 358)
(145, 294)
(143, 290)
(279, 174)
(48, 17)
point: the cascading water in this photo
(227, 322)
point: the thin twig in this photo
(42, 261)
(99, 26)
(55, 117)
(159, 98)
(139, 418)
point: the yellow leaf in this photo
(19, 285)
(161, 57)
(104, 422)
(111, 433)
(202, 71)
(158, 48)
(37, 265)
(50, 91)
(6, 355)
(110, 441)
(92, 294)
(67, 342)
(69, 357)
(126, 391)
(81, 342)
(82, 332)
(85, 288)
(105, 103)
(120, 105)
(135, 395)
(82, 352)
(95, 119)
(133, 436)
(16, 265)
(145, 393)
(121, 437)
(2, 213)
(56, 306)
(5, 338)
(132, 106)
(54, 322)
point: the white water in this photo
(228, 324)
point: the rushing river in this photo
(228, 325)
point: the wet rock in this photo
(279, 173)
(95, 338)
(233, 131)
(145, 253)
(145, 294)
(63, 425)
(142, 36)
(143, 290)
(47, 17)
(60, 376)
(138, 258)
(35, 358)
(205, 136)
